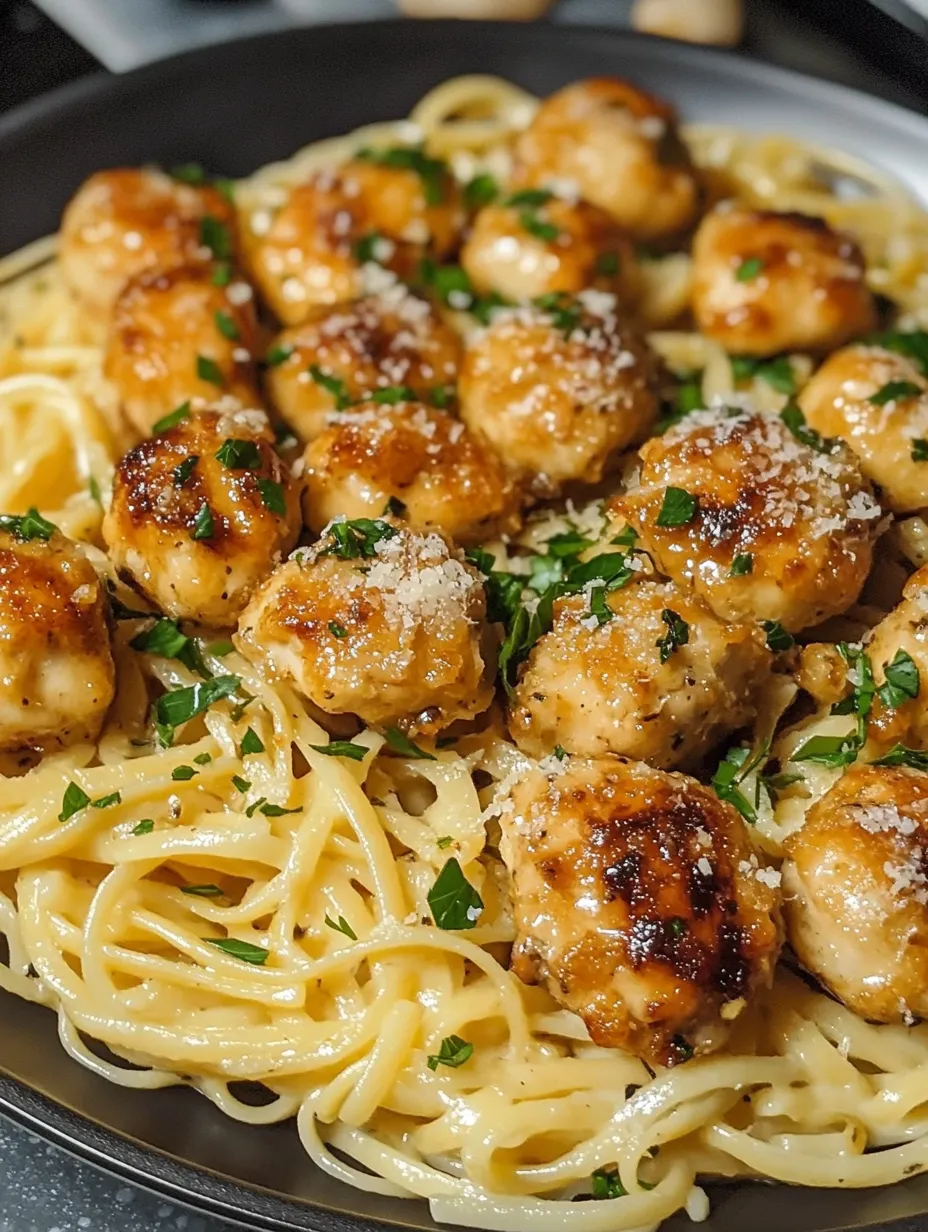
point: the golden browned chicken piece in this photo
(121, 223)
(56, 672)
(534, 243)
(856, 892)
(176, 337)
(766, 282)
(446, 477)
(877, 401)
(644, 671)
(760, 524)
(559, 390)
(391, 207)
(202, 513)
(378, 621)
(902, 635)
(639, 903)
(620, 148)
(379, 345)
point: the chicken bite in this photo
(900, 642)
(535, 243)
(123, 222)
(621, 150)
(57, 677)
(377, 621)
(639, 903)
(765, 282)
(390, 207)
(176, 337)
(380, 345)
(558, 388)
(644, 671)
(202, 513)
(444, 477)
(877, 401)
(760, 523)
(856, 892)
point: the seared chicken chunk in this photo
(559, 390)
(766, 282)
(312, 251)
(878, 402)
(56, 672)
(639, 903)
(535, 243)
(902, 635)
(757, 522)
(446, 477)
(644, 671)
(176, 337)
(619, 147)
(378, 621)
(202, 513)
(383, 344)
(121, 223)
(856, 892)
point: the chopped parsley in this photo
(453, 1051)
(28, 526)
(480, 191)
(241, 785)
(919, 452)
(741, 565)
(336, 629)
(272, 496)
(778, 372)
(172, 419)
(173, 709)
(143, 827)
(400, 743)
(453, 901)
(431, 171)
(901, 681)
(731, 773)
(165, 639)
(565, 311)
(204, 527)
(243, 950)
(836, 751)
(183, 470)
(238, 455)
(538, 227)
(251, 742)
(203, 891)
(749, 268)
(900, 755)
(215, 236)
(209, 370)
(115, 797)
(342, 748)
(390, 395)
(607, 264)
(93, 487)
(278, 354)
(778, 638)
(357, 539)
(333, 385)
(794, 419)
(225, 323)
(444, 842)
(892, 391)
(677, 508)
(75, 799)
(678, 634)
(341, 925)
(183, 774)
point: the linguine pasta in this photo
(240, 906)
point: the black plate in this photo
(233, 108)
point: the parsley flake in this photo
(453, 1052)
(453, 901)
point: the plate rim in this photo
(112, 1151)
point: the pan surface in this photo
(233, 108)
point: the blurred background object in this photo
(498, 10)
(695, 21)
